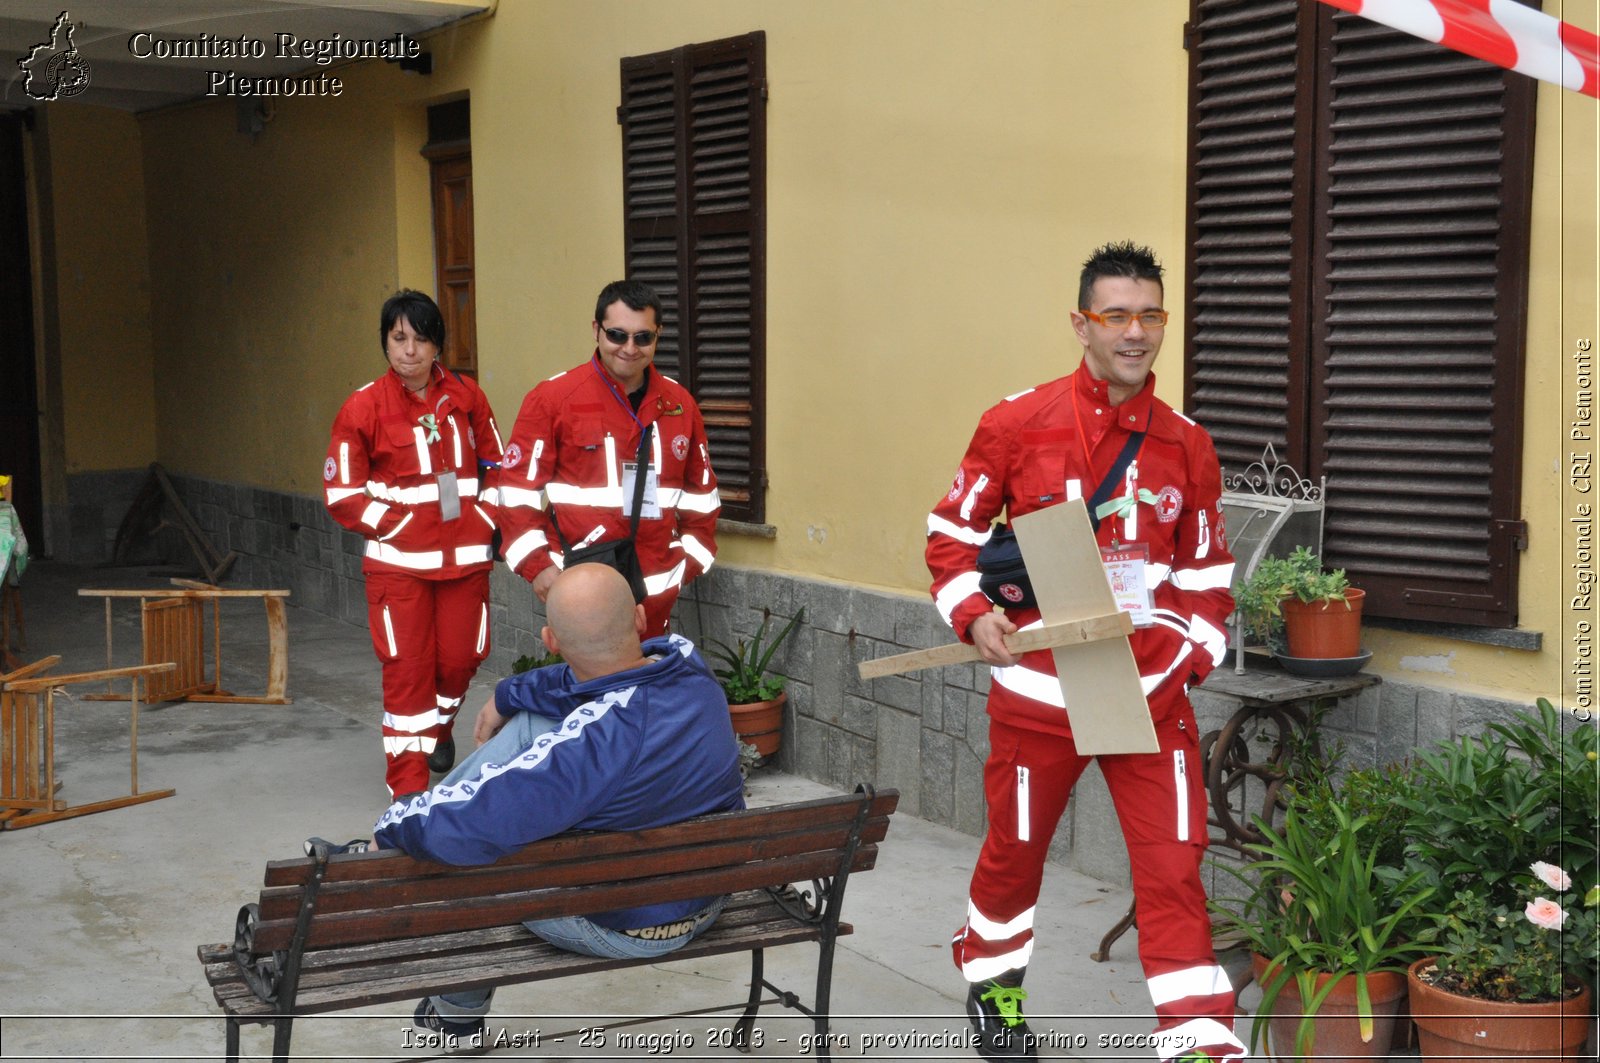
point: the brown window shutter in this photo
(1357, 276)
(1248, 228)
(694, 149)
(1424, 172)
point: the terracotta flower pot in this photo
(1452, 1026)
(1324, 629)
(760, 723)
(1337, 1032)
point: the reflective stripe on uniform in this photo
(413, 724)
(990, 930)
(1195, 1033)
(694, 549)
(937, 525)
(512, 497)
(419, 561)
(518, 550)
(1210, 578)
(955, 592)
(466, 487)
(665, 581)
(1205, 980)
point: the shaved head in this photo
(594, 620)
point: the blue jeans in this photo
(575, 933)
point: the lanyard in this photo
(627, 407)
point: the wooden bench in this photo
(347, 931)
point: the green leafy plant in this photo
(1525, 792)
(528, 662)
(746, 678)
(1373, 793)
(1318, 904)
(1507, 953)
(1259, 599)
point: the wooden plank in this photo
(34, 819)
(28, 670)
(363, 975)
(277, 652)
(46, 682)
(1071, 632)
(1100, 684)
(341, 928)
(185, 592)
(282, 902)
(585, 845)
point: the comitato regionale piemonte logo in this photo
(55, 69)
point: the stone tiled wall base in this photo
(925, 733)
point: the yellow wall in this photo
(102, 287)
(936, 171)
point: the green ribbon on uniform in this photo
(1121, 507)
(431, 423)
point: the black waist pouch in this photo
(618, 554)
(1001, 574)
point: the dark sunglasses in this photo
(621, 336)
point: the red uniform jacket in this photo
(1034, 450)
(573, 435)
(382, 474)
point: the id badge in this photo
(449, 497)
(1125, 571)
(649, 507)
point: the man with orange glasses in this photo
(611, 457)
(1152, 482)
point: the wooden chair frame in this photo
(28, 781)
(173, 628)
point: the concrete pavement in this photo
(101, 915)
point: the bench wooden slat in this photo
(366, 925)
(282, 902)
(581, 846)
(375, 974)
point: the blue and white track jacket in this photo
(641, 748)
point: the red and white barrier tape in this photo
(1502, 32)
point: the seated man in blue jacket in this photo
(620, 737)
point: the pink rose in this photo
(1551, 875)
(1544, 912)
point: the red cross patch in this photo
(1169, 503)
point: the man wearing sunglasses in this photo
(595, 442)
(1151, 479)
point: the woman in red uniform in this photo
(404, 469)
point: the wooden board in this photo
(1099, 680)
(1115, 625)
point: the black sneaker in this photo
(996, 1013)
(443, 757)
(357, 845)
(455, 1038)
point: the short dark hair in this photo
(1125, 259)
(420, 311)
(635, 295)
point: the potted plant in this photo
(755, 695)
(1506, 823)
(1317, 609)
(1329, 928)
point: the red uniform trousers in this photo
(430, 636)
(1161, 806)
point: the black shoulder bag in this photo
(616, 553)
(1002, 575)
